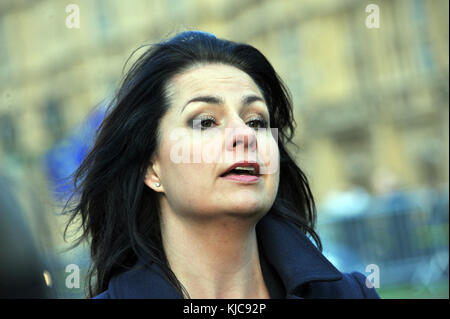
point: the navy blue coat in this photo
(304, 271)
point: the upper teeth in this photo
(245, 168)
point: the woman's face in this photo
(217, 117)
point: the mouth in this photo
(244, 172)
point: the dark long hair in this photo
(118, 213)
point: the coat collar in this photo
(293, 256)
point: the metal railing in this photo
(405, 234)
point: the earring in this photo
(157, 184)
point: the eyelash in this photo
(262, 122)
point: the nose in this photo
(241, 136)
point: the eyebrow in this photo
(210, 99)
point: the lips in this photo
(243, 168)
(243, 172)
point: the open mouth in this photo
(242, 172)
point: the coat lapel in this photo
(294, 257)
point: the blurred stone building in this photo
(368, 101)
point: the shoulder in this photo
(103, 295)
(352, 285)
(125, 284)
(140, 282)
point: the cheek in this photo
(207, 147)
(180, 171)
(185, 184)
(194, 147)
(269, 155)
(189, 189)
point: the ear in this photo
(151, 178)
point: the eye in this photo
(257, 123)
(203, 122)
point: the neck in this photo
(214, 258)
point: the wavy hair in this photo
(119, 215)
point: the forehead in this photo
(213, 79)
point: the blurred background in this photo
(371, 106)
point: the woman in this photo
(187, 193)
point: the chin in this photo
(248, 208)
